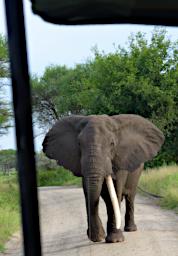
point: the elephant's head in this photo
(97, 140)
(97, 146)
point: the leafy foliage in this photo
(57, 177)
(61, 91)
(5, 113)
(8, 155)
(140, 79)
(4, 71)
(44, 163)
(8, 160)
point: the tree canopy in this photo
(4, 73)
(141, 78)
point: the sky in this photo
(49, 44)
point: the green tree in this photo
(61, 91)
(140, 79)
(7, 160)
(5, 113)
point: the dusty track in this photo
(63, 222)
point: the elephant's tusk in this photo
(114, 201)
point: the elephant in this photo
(105, 150)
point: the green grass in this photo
(9, 208)
(162, 181)
(58, 177)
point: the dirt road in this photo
(63, 224)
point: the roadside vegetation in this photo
(9, 208)
(58, 177)
(162, 181)
(5, 112)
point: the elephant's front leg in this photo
(129, 215)
(113, 234)
(130, 187)
(95, 230)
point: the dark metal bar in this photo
(23, 122)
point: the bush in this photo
(57, 177)
(7, 160)
(44, 163)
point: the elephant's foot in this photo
(130, 228)
(115, 236)
(96, 231)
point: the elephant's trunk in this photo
(114, 201)
(92, 189)
(94, 174)
(93, 186)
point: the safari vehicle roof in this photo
(73, 12)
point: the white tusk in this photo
(114, 201)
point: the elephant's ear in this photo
(138, 141)
(61, 143)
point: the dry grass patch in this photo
(162, 181)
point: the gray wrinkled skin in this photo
(93, 147)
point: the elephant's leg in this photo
(95, 229)
(113, 235)
(130, 192)
(129, 215)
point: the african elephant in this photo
(97, 147)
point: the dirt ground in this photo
(63, 227)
